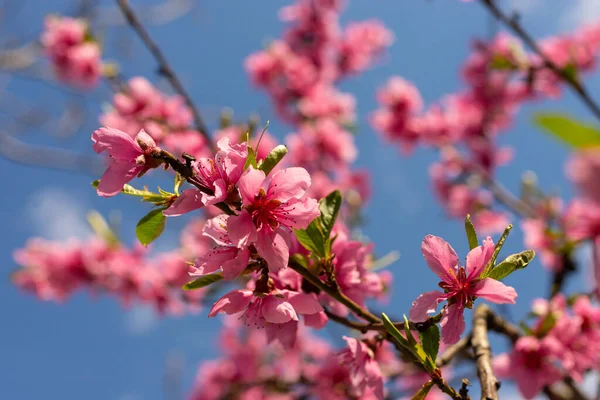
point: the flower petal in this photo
(274, 247)
(494, 291)
(284, 333)
(304, 303)
(424, 304)
(241, 229)
(478, 258)
(116, 176)
(233, 267)
(277, 311)
(440, 257)
(250, 184)
(216, 229)
(316, 321)
(288, 183)
(298, 214)
(452, 323)
(117, 143)
(188, 201)
(232, 302)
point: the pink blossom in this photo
(276, 311)
(364, 369)
(237, 135)
(226, 257)
(461, 286)
(538, 236)
(269, 214)
(362, 43)
(128, 157)
(583, 169)
(217, 177)
(75, 57)
(530, 364)
(582, 220)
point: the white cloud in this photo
(57, 215)
(581, 12)
(140, 320)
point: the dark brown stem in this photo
(513, 24)
(483, 354)
(164, 66)
(452, 351)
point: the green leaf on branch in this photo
(151, 226)
(203, 281)
(471, 234)
(251, 160)
(430, 340)
(511, 264)
(497, 248)
(330, 208)
(422, 393)
(502, 63)
(573, 133)
(272, 159)
(316, 237)
(409, 343)
(146, 195)
(101, 228)
(312, 238)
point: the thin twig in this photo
(452, 351)
(483, 354)
(515, 26)
(164, 66)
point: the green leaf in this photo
(330, 208)
(430, 340)
(151, 226)
(500, 62)
(497, 248)
(511, 264)
(422, 393)
(251, 160)
(546, 325)
(525, 328)
(101, 228)
(273, 158)
(409, 343)
(570, 72)
(312, 238)
(571, 132)
(300, 259)
(203, 281)
(471, 234)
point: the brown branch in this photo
(164, 66)
(452, 351)
(483, 354)
(513, 24)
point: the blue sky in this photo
(90, 347)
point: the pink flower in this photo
(538, 236)
(128, 157)
(276, 311)
(226, 257)
(364, 369)
(216, 176)
(583, 169)
(362, 43)
(582, 220)
(269, 214)
(531, 364)
(461, 286)
(75, 58)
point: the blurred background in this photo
(90, 347)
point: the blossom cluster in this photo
(53, 271)
(74, 54)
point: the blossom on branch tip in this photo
(461, 285)
(129, 157)
(364, 369)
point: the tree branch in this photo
(513, 24)
(483, 354)
(164, 66)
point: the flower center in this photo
(264, 211)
